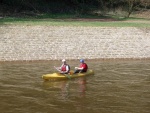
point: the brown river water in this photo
(116, 87)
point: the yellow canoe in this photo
(58, 76)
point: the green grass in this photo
(71, 20)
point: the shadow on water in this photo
(117, 86)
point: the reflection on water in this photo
(116, 87)
(66, 85)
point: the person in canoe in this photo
(82, 68)
(64, 69)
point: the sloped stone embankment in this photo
(54, 43)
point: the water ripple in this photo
(118, 87)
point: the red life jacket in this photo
(84, 65)
(64, 68)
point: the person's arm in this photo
(59, 68)
(67, 68)
(79, 68)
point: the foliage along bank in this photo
(77, 7)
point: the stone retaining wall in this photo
(54, 43)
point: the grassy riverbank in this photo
(71, 20)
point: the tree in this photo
(145, 3)
(133, 4)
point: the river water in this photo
(116, 87)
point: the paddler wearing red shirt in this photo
(82, 68)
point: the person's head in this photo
(81, 61)
(63, 61)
